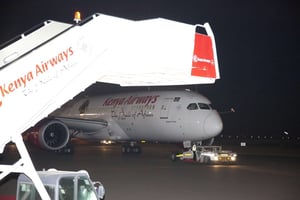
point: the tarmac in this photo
(261, 172)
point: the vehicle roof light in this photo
(77, 17)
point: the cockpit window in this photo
(192, 106)
(204, 106)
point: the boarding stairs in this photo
(48, 65)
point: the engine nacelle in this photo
(53, 135)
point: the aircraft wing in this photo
(88, 128)
(85, 125)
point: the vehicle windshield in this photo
(27, 191)
(85, 189)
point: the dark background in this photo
(257, 43)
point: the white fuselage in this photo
(172, 116)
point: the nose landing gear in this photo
(131, 148)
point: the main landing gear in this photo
(131, 148)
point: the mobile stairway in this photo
(48, 65)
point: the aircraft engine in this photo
(53, 135)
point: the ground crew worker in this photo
(194, 149)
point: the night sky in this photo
(257, 43)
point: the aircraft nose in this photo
(213, 124)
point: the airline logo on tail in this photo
(203, 58)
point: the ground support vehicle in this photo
(206, 155)
(61, 185)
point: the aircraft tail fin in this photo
(162, 52)
(205, 62)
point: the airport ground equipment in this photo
(206, 155)
(75, 185)
(48, 65)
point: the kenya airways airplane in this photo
(163, 116)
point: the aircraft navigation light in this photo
(77, 17)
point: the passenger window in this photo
(192, 106)
(204, 106)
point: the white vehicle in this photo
(75, 185)
(206, 154)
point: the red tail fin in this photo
(203, 58)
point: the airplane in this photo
(161, 116)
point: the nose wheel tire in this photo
(173, 157)
(206, 160)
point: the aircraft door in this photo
(130, 130)
(165, 108)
